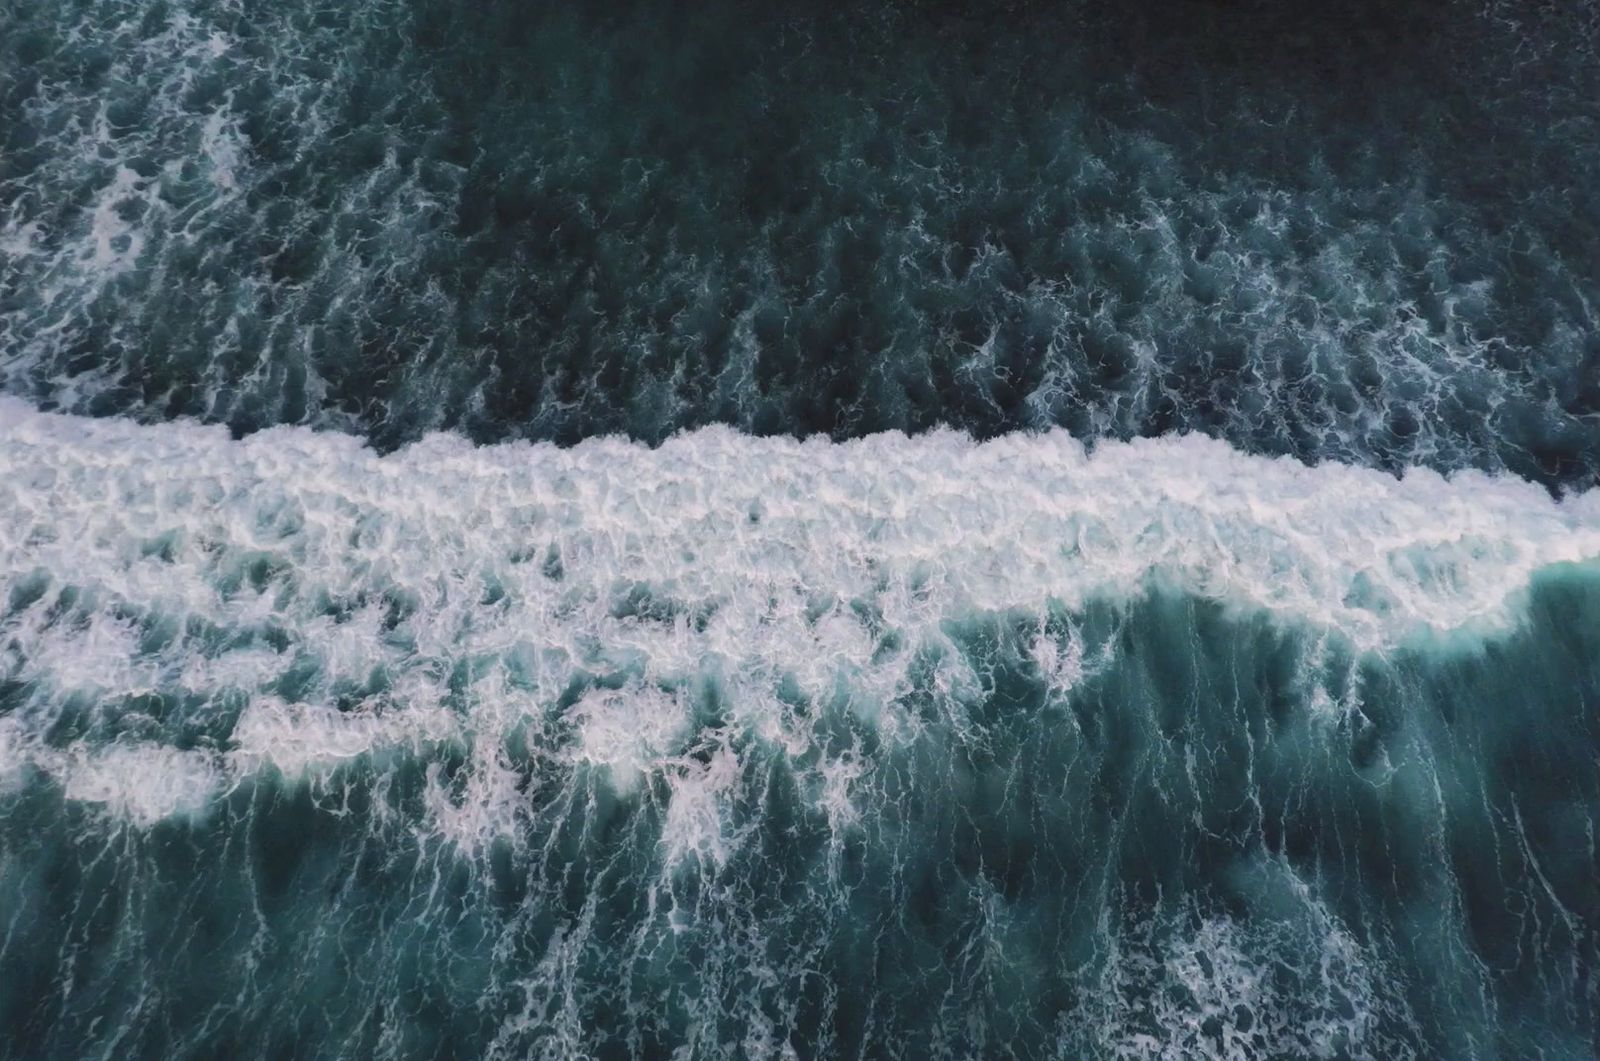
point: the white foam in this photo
(627, 731)
(301, 740)
(13, 755)
(480, 583)
(142, 783)
(697, 828)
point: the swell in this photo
(739, 744)
(513, 220)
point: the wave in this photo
(741, 743)
(1256, 739)
(300, 570)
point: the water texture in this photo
(1358, 232)
(901, 746)
(816, 530)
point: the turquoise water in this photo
(824, 530)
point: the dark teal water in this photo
(1177, 853)
(1351, 231)
(903, 746)
(357, 699)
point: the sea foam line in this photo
(344, 597)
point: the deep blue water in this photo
(867, 529)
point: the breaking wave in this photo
(760, 744)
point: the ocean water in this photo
(1355, 232)
(864, 530)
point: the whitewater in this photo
(669, 673)
(1047, 529)
(343, 594)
